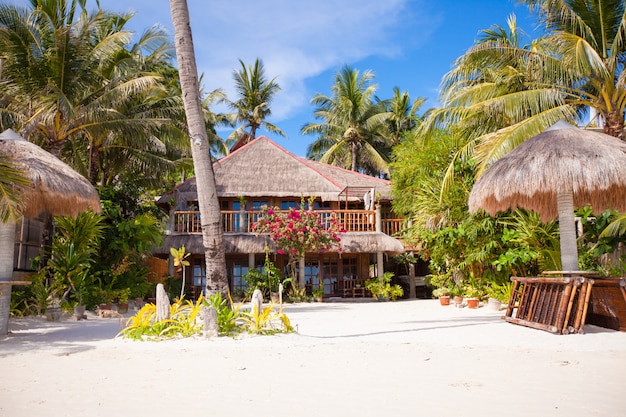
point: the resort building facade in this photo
(261, 173)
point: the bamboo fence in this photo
(556, 305)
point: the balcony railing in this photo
(242, 221)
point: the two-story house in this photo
(261, 173)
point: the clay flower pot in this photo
(472, 302)
(444, 300)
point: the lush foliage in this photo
(382, 288)
(300, 231)
(255, 93)
(74, 249)
(184, 314)
(464, 251)
(352, 126)
(131, 231)
(182, 322)
(507, 88)
(268, 280)
(179, 256)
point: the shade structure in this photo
(55, 189)
(554, 172)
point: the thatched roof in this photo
(55, 187)
(591, 164)
(351, 242)
(261, 168)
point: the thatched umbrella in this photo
(554, 172)
(55, 189)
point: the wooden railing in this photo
(392, 227)
(242, 221)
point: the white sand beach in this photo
(408, 358)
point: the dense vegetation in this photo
(109, 104)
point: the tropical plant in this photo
(268, 280)
(213, 236)
(441, 292)
(131, 230)
(227, 314)
(266, 321)
(501, 291)
(403, 116)
(12, 181)
(352, 129)
(252, 107)
(179, 256)
(181, 322)
(502, 91)
(74, 248)
(382, 289)
(68, 76)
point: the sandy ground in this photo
(408, 358)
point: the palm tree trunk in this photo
(94, 160)
(354, 155)
(614, 124)
(210, 217)
(567, 227)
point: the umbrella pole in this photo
(7, 247)
(567, 227)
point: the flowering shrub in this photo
(299, 231)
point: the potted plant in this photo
(122, 300)
(457, 294)
(499, 294)
(473, 295)
(318, 294)
(443, 294)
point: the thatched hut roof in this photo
(261, 168)
(590, 164)
(55, 187)
(234, 243)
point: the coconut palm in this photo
(255, 94)
(212, 233)
(12, 182)
(351, 133)
(403, 114)
(502, 92)
(66, 72)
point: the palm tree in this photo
(352, 128)
(212, 233)
(502, 92)
(253, 105)
(65, 73)
(403, 114)
(12, 181)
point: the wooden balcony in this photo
(188, 222)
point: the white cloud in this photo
(296, 40)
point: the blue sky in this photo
(410, 44)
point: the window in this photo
(199, 273)
(237, 269)
(27, 243)
(286, 205)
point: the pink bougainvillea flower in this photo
(280, 251)
(270, 212)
